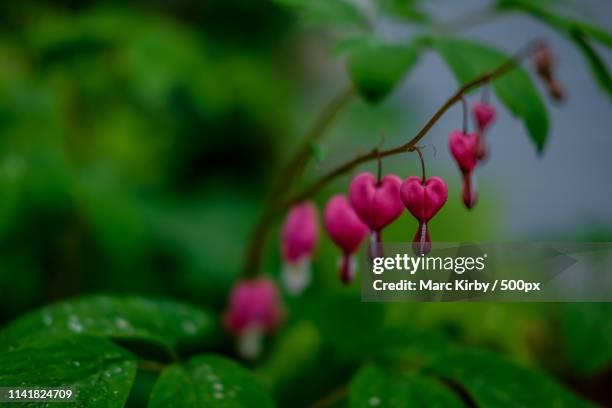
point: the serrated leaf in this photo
(376, 68)
(468, 60)
(162, 322)
(100, 373)
(374, 387)
(208, 381)
(598, 67)
(493, 382)
(588, 335)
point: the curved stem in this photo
(423, 175)
(409, 146)
(259, 236)
(465, 115)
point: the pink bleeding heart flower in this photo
(346, 230)
(299, 238)
(484, 115)
(464, 148)
(376, 204)
(254, 310)
(423, 200)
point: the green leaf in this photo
(208, 381)
(99, 372)
(331, 313)
(374, 387)
(493, 382)
(588, 335)
(326, 12)
(598, 67)
(162, 322)
(377, 68)
(468, 60)
(408, 10)
(564, 24)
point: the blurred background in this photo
(137, 141)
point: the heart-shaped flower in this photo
(484, 115)
(423, 200)
(377, 204)
(465, 148)
(254, 309)
(347, 231)
(298, 240)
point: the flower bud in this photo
(484, 115)
(254, 310)
(346, 230)
(464, 149)
(299, 238)
(423, 200)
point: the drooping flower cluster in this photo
(470, 149)
(372, 203)
(375, 203)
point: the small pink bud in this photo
(299, 238)
(254, 309)
(465, 150)
(346, 230)
(484, 115)
(423, 200)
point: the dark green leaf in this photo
(372, 387)
(377, 68)
(341, 319)
(468, 60)
(162, 322)
(408, 10)
(564, 24)
(588, 334)
(493, 382)
(99, 372)
(333, 12)
(208, 381)
(598, 68)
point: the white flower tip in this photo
(296, 276)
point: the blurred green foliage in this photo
(136, 144)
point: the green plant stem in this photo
(291, 171)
